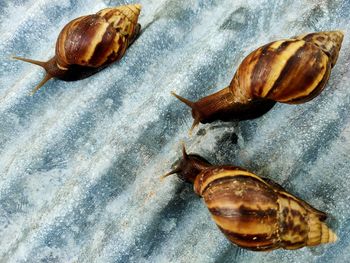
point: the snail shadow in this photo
(78, 72)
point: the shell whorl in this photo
(131, 12)
(330, 42)
(301, 224)
(258, 214)
(98, 39)
(319, 232)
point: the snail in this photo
(253, 212)
(89, 43)
(290, 71)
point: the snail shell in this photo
(289, 71)
(256, 215)
(252, 212)
(89, 43)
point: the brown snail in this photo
(290, 71)
(89, 43)
(253, 212)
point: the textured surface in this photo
(80, 161)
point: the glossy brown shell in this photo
(98, 39)
(290, 71)
(257, 214)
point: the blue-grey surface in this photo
(80, 161)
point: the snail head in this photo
(189, 166)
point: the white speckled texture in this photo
(80, 161)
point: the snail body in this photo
(89, 43)
(289, 71)
(253, 212)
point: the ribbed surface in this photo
(80, 161)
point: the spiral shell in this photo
(98, 39)
(290, 71)
(258, 214)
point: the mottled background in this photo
(80, 161)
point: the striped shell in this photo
(98, 39)
(258, 214)
(290, 71)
